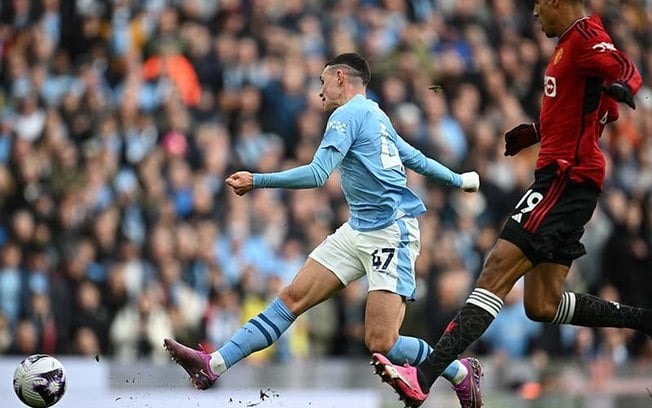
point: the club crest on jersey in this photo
(550, 86)
(557, 57)
(604, 47)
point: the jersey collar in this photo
(572, 25)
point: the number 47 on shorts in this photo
(382, 258)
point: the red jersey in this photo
(574, 109)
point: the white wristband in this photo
(470, 181)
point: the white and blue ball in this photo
(40, 381)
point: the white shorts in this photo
(386, 256)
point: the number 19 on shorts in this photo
(526, 204)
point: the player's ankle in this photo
(217, 363)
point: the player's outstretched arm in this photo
(310, 175)
(413, 159)
(307, 176)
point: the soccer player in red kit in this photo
(585, 78)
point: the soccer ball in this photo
(40, 381)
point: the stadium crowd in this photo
(119, 121)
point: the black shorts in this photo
(548, 221)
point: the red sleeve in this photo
(598, 57)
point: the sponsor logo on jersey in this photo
(339, 127)
(604, 47)
(550, 86)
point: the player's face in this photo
(331, 89)
(542, 12)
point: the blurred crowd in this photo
(120, 119)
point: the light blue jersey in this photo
(372, 173)
(360, 139)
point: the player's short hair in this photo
(355, 63)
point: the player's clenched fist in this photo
(242, 182)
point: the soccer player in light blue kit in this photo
(380, 240)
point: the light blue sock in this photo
(413, 351)
(258, 333)
(455, 372)
(409, 350)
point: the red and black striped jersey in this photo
(574, 105)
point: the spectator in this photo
(12, 292)
(90, 325)
(139, 326)
(25, 339)
(5, 334)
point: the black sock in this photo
(586, 310)
(471, 321)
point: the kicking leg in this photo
(313, 284)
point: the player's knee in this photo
(493, 277)
(540, 312)
(505, 265)
(379, 341)
(294, 300)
